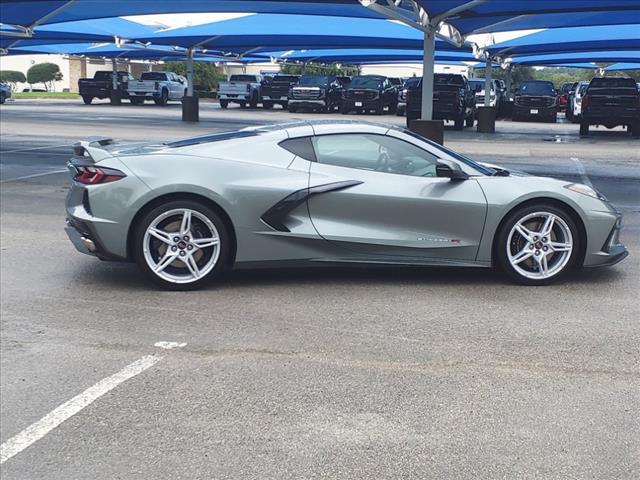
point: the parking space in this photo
(341, 373)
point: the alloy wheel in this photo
(181, 246)
(539, 245)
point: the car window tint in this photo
(374, 152)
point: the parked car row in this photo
(161, 87)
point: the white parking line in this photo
(42, 427)
(33, 176)
(20, 150)
(582, 171)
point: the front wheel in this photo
(537, 244)
(224, 103)
(470, 121)
(458, 123)
(87, 99)
(584, 128)
(181, 245)
(267, 105)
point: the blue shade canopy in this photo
(574, 39)
(579, 57)
(101, 30)
(618, 67)
(27, 12)
(270, 31)
(367, 56)
(506, 15)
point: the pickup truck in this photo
(535, 100)
(370, 92)
(275, 90)
(316, 92)
(101, 84)
(611, 101)
(453, 99)
(157, 86)
(5, 92)
(242, 89)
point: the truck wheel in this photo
(635, 129)
(243, 104)
(136, 100)
(164, 98)
(379, 110)
(87, 99)
(470, 121)
(458, 123)
(3, 98)
(344, 109)
(293, 108)
(267, 105)
(393, 108)
(584, 128)
(224, 103)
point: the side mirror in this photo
(449, 169)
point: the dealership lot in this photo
(347, 373)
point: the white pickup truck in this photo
(241, 88)
(157, 86)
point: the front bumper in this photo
(604, 247)
(361, 104)
(534, 112)
(308, 103)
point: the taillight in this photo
(96, 175)
(248, 87)
(585, 101)
(156, 86)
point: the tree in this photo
(12, 77)
(45, 73)
(312, 68)
(206, 74)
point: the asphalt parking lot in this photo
(342, 373)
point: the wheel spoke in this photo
(560, 247)
(205, 242)
(168, 258)
(185, 225)
(191, 264)
(548, 225)
(161, 235)
(521, 256)
(543, 265)
(525, 232)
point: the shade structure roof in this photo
(573, 39)
(100, 30)
(506, 15)
(578, 57)
(618, 67)
(274, 31)
(368, 56)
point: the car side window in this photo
(380, 153)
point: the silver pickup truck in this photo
(242, 89)
(157, 86)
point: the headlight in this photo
(585, 190)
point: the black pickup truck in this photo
(275, 90)
(101, 84)
(611, 101)
(370, 92)
(453, 100)
(536, 100)
(316, 92)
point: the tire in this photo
(149, 250)
(553, 119)
(379, 110)
(136, 100)
(635, 129)
(224, 103)
(164, 98)
(292, 108)
(344, 110)
(458, 123)
(243, 104)
(267, 105)
(87, 99)
(524, 258)
(584, 128)
(469, 121)
(393, 108)
(3, 98)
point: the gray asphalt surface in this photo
(346, 373)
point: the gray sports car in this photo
(327, 192)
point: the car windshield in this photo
(153, 76)
(412, 82)
(612, 83)
(536, 88)
(242, 78)
(284, 78)
(476, 85)
(448, 79)
(366, 82)
(313, 80)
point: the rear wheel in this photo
(458, 123)
(293, 108)
(164, 98)
(182, 245)
(537, 244)
(253, 102)
(224, 103)
(136, 100)
(470, 121)
(3, 98)
(243, 104)
(584, 128)
(635, 129)
(267, 105)
(87, 99)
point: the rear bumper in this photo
(84, 238)
(603, 117)
(235, 98)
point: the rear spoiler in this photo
(93, 148)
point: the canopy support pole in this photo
(116, 94)
(190, 102)
(427, 74)
(507, 81)
(487, 82)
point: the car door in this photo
(388, 201)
